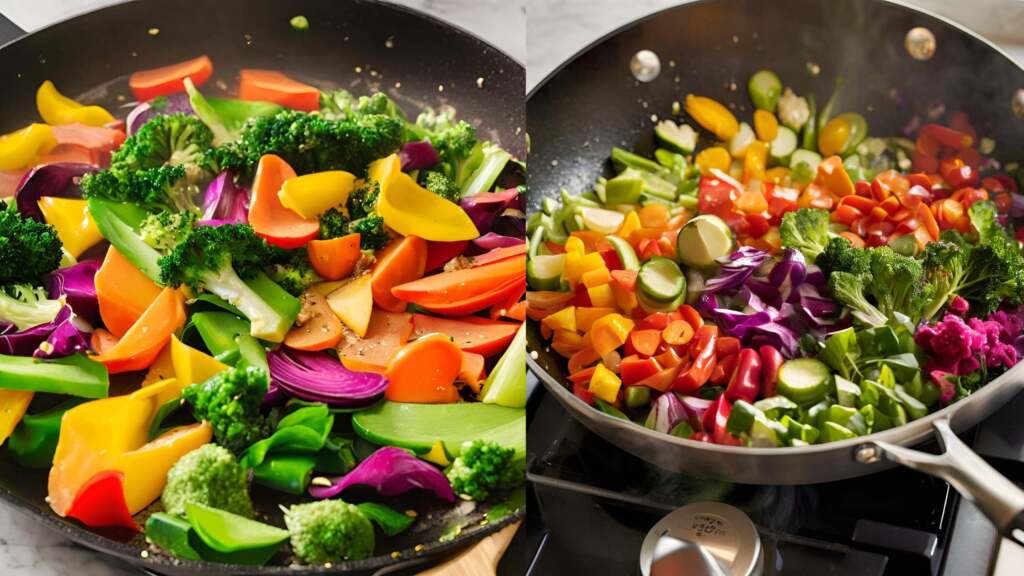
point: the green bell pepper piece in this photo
(832, 432)
(219, 330)
(34, 440)
(118, 223)
(302, 431)
(609, 409)
(288, 473)
(391, 522)
(171, 534)
(74, 375)
(247, 541)
(742, 417)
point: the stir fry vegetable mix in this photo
(786, 283)
(279, 270)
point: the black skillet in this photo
(359, 45)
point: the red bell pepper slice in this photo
(719, 418)
(702, 351)
(581, 392)
(661, 381)
(148, 84)
(947, 137)
(723, 369)
(625, 278)
(745, 383)
(274, 86)
(634, 369)
(771, 361)
(100, 502)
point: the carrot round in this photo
(334, 259)
(400, 262)
(424, 371)
(274, 86)
(269, 218)
(148, 84)
(122, 291)
(321, 331)
(471, 333)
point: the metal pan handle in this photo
(998, 498)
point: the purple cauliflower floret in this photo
(958, 306)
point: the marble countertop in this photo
(29, 549)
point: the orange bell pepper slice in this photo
(400, 262)
(462, 292)
(334, 259)
(274, 86)
(269, 218)
(141, 344)
(122, 291)
(424, 371)
(320, 332)
(148, 84)
(385, 335)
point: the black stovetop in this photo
(592, 504)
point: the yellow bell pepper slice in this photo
(754, 161)
(833, 136)
(564, 319)
(610, 332)
(57, 109)
(576, 266)
(70, 218)
(353, 303)
(766, 126)
(832, 176)
(437, 455)
(712, 158)
(624, 299)
(601, 295)
(412, 210)
(567, 342)
(776, 175)
(13, 404)
(630, 224)
(575, 245)
(596, 277)
(712, 116)
(21, 148)
(604, 384)
(145, 469)
(586, 316)
(310, 195)
(161, 369)
(191, 365)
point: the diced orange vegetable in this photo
(148, 84)
(334, 259)
(928, 220)
(122, 291)
(645, 342)
(653, 216)
(424, 371)
(463, 292)
(754, 162)
(766, 126)
(712, 116)
(386, 333)
(472, 370)
(321, 331)
(582, 359)
(677, 333)
(604, 384)
(833, 177)
(141, 344)
(595, 277)
(567, 343)
(715, 157)
(401, 261)
(269, 218)
(751, 201)
(542, 303)
(610, 332)
(854, 239)
(630, 223)
(470, 333)
(586, 316)
(276, 87)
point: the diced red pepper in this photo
(715, 420)
(947, 137)
(716, 196)
(633, 369)
(625, 278)
(723, 369)
(581, 392)
(100, 503)
(654, 321)
(727, 346)
(745, 383)
(704, 358)
(957, 173)
(645, 342)
(611, 259)
(757, 225)
(771, 361)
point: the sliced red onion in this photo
(390, 471)
(318, 377)
(418, 155)
(59, 179)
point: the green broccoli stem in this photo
(270, 310)
(118, 222)
(483, 178)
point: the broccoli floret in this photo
(26, 306)
(806, 230)
(848, 289)
(840, 256)
(216, 258)
(333, 223)
(373, 235)
(896, 282)
(442, 185)
(166, 139)
(945, 266)
(164, 230)
(208, 475)
(313, 143)
(230, 402)
(292, 271)
(329, 531)
(162, 188)
(363, 200)
(455, 143)
(28, 249)
(342, 104)
(483, 467)
(985, 221)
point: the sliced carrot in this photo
(582, 359)
(499, 254)
(645, 342)
(122, 291)
(677, 333)
(690, 314)
(274, 86)
(268, 217)
(517, 312)
(400, 262)
(321, 331)
(928, 219)
(462, 292)
(141, 344)
(472, 370)
(424, 371)
(512, 298)
(334, 259)
(470, 333)
(385, 335)
(148, 84)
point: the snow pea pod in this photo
(391, 522)
(229, 535)
(288, 473)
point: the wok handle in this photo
(996, 496)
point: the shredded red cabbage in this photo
(390, 471)
(319, 377)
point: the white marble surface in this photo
(28, 549)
